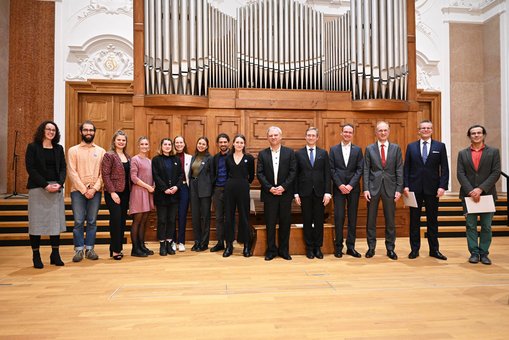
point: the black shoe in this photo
(219, 246)
(353, 252)
(474, 258)
(55, 259)
(485, 259)
(338, 253)
(196, 246)
(269, 257)
(136, 251)
(438, 255)
(370, 253)
(310, 254)
(246, 252)
(318, 253)
(285, 256)
(202, 248)
(414, 254)
(144, 249)
(163, 251)
(392, 255)
(36, 258)
(118, 257)
(228, 251)
(169, 248)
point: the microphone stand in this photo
(15, 168)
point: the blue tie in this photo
(311, 157)
(424, 151)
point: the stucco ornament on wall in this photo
(108, 7)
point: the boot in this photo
(169, 248)
(144, 248)
(54, 258)
(162, 248)
(36, 258)
(229, 249)
(136, 251)
(246, 252)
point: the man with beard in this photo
(220, 175)
(84, 164)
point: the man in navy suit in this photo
(426, 173)
(346, 163)
(312, 191)
(276, 170)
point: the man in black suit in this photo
(219, 179)
(426, 173)
(276, 170)
(478, 171)
(383, 180)
(346, 163)
(312, 191)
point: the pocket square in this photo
(434, 151)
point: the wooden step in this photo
(459, 229)
(103, 212)
(454, 218)
(70, 223)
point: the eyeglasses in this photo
(50, 129)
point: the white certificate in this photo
(485, 205)
(410, 201)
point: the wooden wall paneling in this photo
(97, 108)
(124, 120)
(158, 127)
(229, 125)
(194, 127)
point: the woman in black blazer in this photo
(45, 164)
(200, 176)
(168, 175)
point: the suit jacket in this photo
(346, 174)
(286, 172)
(215, 166)
(388, 178)
(113, 173)
(426, 178)
(486, 175)
(205, 178)
(164, 180)
(312, 179)
(36, 165)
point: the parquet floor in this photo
(204, 296)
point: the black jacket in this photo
(164, 180)
(36, 165)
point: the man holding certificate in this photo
(478, 171)
(426, 174)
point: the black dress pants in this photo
(118, 216)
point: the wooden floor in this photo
(204, 296)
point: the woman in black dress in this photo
(240, 168)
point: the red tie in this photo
(383, 154)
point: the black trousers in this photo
(118, 217)
(345, 205)
(278, 209)
(200, 213)
(220, 209)
(431, 206)
(166, 221)
(389, 207)
(237, 198)
(313, 213)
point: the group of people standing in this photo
(311, 176)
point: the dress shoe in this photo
(247, 252)
(203, 248)
(370, 253)
(219, 246)
(55, 258)
(353, 252)
(474, 258)
(318, 253)
(195, 247)
(338, 254)
(228, 251)
(438, 255)
(392, 255)
(413, 254)
(269, 257)
(310, 254)
(163, 251)
(286, 256)
(485, 259)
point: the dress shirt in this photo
(346, 148)
(275, 161)
(84, 165)
(380, 148)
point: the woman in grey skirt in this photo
(45, 164)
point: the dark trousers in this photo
(166, 221)
(182, 214)
(389, 207)
(200, 213)
(118, 216)
(351, 203)
(431, 206)
(219, 208)
(313, 213)
(278, 209)
(236, 196)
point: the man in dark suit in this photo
(478, 171)
(426, 173)
(312, 191)
(383, 180)
(276, 170)
(346, 163)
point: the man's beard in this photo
(87, 138)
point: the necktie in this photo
(424, 151)
(383, 154)
(311, 157)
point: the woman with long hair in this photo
(168, 175)
(45, 164)
(200, 175)
(180, 146)
(116, 170)
(240, 169)
(141, 200)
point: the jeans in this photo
(84, 209)
(479, 245)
